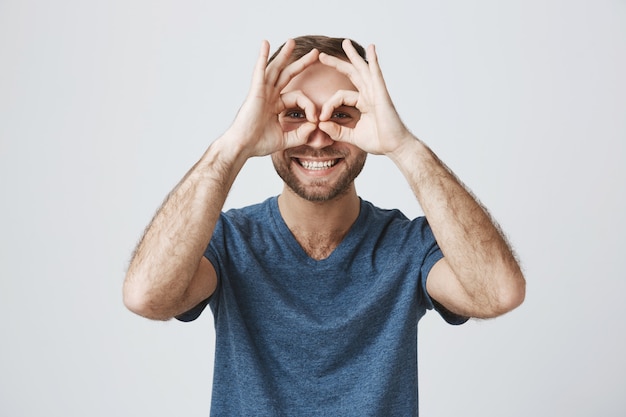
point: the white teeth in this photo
(317, 165)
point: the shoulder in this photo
(375, 215)
(240, 226)
(250, 212)
(394, 222)
(249, 216)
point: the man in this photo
(316, 294)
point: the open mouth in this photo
(317, 165)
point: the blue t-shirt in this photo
(301, 337)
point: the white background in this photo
(104, 105)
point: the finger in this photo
(339, 64)
(300, 135)
(374, 66)
(297, 100)
(258, 74)
(377, 74)
(344, 67)
(295, 68)
(354, 57)
(372, 56)
(336, 131)
(340, 98)
(274, 68)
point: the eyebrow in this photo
(348, 107)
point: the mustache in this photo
(305, 151)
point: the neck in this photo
(319, 226)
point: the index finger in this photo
(273, 69)
(295, 68)
(346, 68)
(297, 99)
(340, 98)
(354, 57)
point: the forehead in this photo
(319, 82)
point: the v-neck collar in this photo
(290, 240)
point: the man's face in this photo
(322, 169)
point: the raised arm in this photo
(479, 275)
(168, 273)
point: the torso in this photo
(333, 336)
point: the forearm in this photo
(169, 253)
(167, 272)
(472, 243)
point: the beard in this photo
(321, 189)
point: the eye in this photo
(295, 114)
(345, 115)
(341, 115)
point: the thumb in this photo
(336, 131)
(299, 136)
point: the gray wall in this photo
(104, 105)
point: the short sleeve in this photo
(433, 255)
(194, 313)
(211, 254)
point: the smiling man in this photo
(321, 169)
(316, 294)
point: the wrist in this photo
(234, 146)
(224, 156)
(409, 149)
(416, 161)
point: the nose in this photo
(319, 139)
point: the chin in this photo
(318, 196)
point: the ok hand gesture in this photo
(379, 130)
(256, 126)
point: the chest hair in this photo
(319, 245)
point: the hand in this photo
(379, 129)
(256, 125)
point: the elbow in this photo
(501, 296)
(510, 294)
(142, 303)
(514, 298)
(135, 303)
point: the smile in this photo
(317, 165)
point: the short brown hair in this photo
(326, 44)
